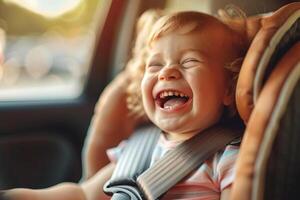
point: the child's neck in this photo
(179, 136)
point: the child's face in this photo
(184, 86)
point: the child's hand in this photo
(112, 103)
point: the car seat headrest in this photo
(265, 32)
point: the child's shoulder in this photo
(226, 157)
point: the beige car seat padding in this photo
(258, 122)
(268, 26)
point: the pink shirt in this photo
(205, 183)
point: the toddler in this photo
(188, 86)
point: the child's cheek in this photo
(143, 84)
(147, 81)
(145, 88)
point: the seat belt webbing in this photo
(178, 163)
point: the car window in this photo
(46, 47)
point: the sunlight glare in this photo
(47, 8)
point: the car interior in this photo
(57, 59)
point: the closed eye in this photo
(154, 65)
(190, 62)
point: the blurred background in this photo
(45, 46)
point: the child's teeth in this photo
(172, 93)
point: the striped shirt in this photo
(205, 183)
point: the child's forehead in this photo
(207, 42)
(190, 27)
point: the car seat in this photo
(268, 97)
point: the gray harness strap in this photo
(130, 183)
(177, 164)
(134, 161)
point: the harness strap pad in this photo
(134, 161)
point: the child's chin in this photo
(170, 129)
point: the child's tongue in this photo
(174, 103)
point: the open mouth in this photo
(171, 99)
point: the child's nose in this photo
(169, 73)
